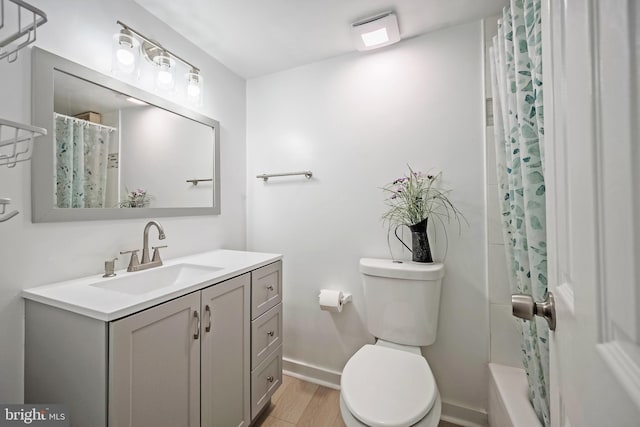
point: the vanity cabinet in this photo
(155, 366)
(201, 359)
(225, 353)
(266, 335)
(184, 362)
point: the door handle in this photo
(526, 308)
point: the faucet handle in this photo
(133, 262)
(156, 253)
(109, 268)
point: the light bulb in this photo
(125, 56)
(125, 48)
(193, 90)
(194, 81)
(164, 77)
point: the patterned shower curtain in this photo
(81, 163)
(516, 59)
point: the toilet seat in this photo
(387, 387)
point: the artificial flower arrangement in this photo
(136, 199)
(411, 201)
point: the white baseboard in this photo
(463, 416)
(451, 412)
(310, 373)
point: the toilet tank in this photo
(402, 300)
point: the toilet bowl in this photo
(390, 384)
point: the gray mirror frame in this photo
(43, 65)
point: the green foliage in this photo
(417, 196)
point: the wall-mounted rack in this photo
(196, 181)
(16, 145)
(16, 142)
(21, 33)
(266, 176)
(16, 139)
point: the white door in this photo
(592, 148)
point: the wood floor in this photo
(299, 403)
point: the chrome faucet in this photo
(134, 263)
(145, 241)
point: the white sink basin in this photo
(142, 282)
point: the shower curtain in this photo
(516, 72)
(81, 163)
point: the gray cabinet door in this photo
(155, 366)
(225, 353)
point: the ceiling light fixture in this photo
(376, 31)
(161, 57)
(136, 101)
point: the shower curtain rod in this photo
(64, 116)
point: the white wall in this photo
(504, 330)
(356, 121)
(181, 148)
(35, 254)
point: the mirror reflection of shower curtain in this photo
(81, 163)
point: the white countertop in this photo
(85, 296)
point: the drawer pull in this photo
(196, 334)
(270, 287)
(270, 378)
(270, 333)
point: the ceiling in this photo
(73, 95)
(258, 37)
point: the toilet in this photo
(390, 383)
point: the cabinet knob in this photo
(270, 333)
(270, 378)
(270, 287)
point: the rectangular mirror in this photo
(115, 151)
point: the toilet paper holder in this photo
(346, 297)
(333, 300)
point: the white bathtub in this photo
(508, 401)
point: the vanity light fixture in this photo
(165, 65)
(376, 31)
(125, 49)
(165, 61)
(194, 85)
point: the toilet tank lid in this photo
(401, 270)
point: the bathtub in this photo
(508, 401)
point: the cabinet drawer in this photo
(266, 335)
(266, 288)
(265, 380)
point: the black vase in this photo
(420, 249)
